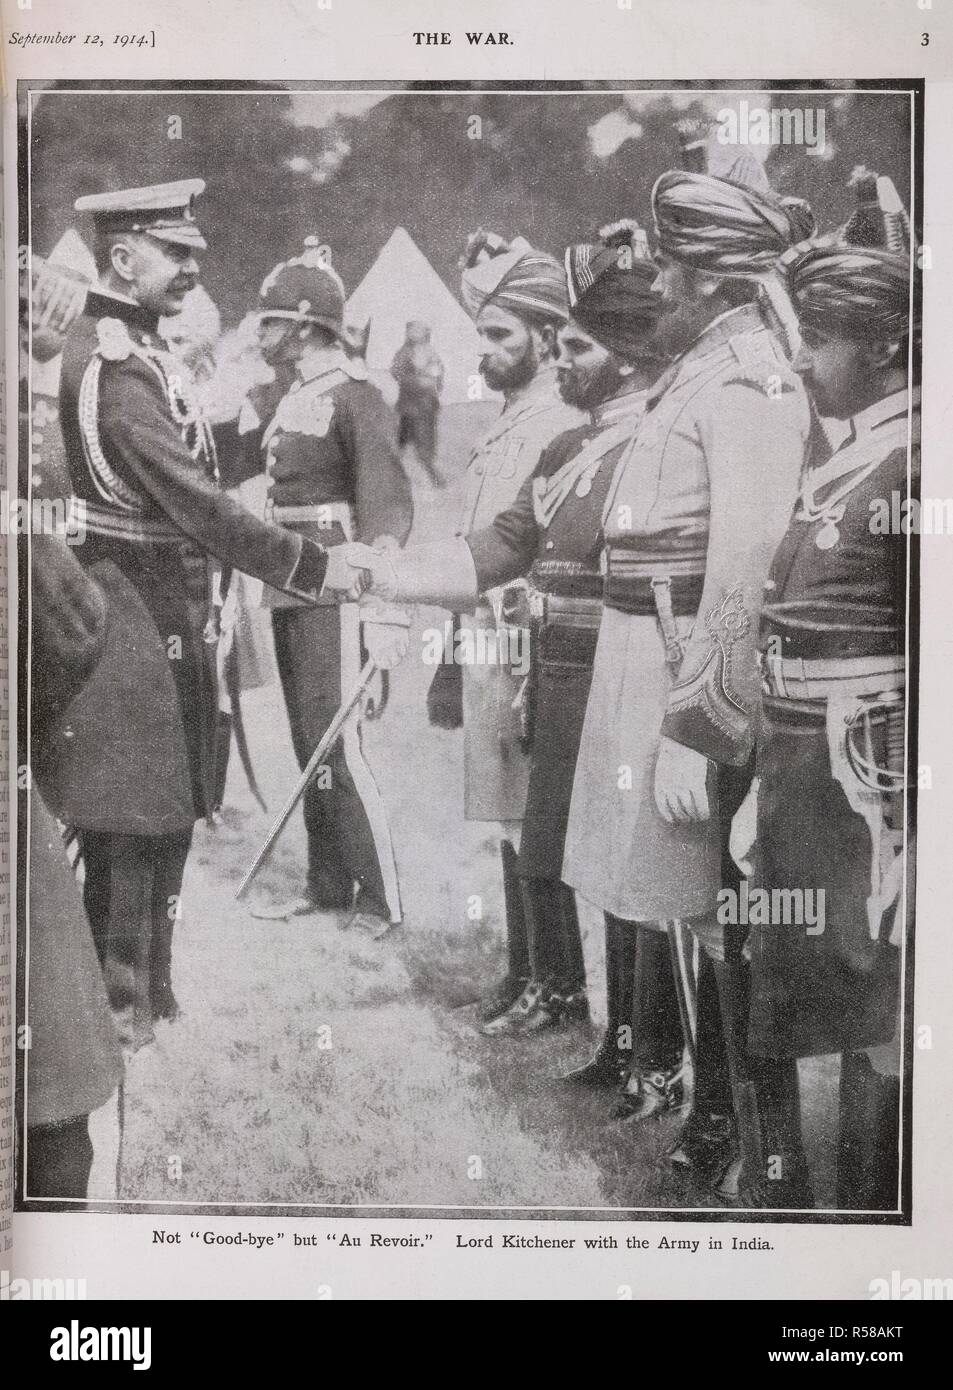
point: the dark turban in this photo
(610, 294)
(725, 228)
(514, 276)
(852, 291)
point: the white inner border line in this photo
(462, 90)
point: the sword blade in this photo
(330, 737)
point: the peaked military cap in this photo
(163, 210)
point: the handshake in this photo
(357, 571)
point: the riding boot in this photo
(655, 1079)
(549, 998)
(163, 1001)
(610, 1064)
(868, 1136)
(170, 857)
(708, 1143)
(773, 1170)
(507, 990)
(574, 961)
(555, 946)
(774, 1173)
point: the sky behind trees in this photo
(351, 166)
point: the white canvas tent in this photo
(403, 285)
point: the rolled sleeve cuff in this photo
(702, 715)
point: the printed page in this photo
(483, 672)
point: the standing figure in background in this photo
(334, 474)
(418, 372)
(517, 298)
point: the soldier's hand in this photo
(386, 632)
(681, 784)
(377, 565)
(345, 577)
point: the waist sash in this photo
(796, 678)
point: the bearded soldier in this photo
(553, 532)
(131, 762)
(696, 509)
(516, 296)
(831, 803)
(330, 457)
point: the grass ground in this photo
(316, 1067)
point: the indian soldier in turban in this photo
(551, 533)
(696, 509)
(516, 296)
(832, 810)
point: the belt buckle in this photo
(801, 677)
(775, 681)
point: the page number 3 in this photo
(924, 40)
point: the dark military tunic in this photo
(73, 1063)
(334, 474)
(832, 647)
(136, 751)
(553, 533)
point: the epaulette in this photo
(355, 368)
(115, 342)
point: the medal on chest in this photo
(828, 535)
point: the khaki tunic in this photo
(712, 473)
(496, 766)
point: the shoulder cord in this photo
(109, 486)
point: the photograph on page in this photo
(468, 647)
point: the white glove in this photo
(376, 565)
(386, 632)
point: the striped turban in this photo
(856, 284)
(514, 276)
(610, 296)
(852, 292)
(725, 228)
